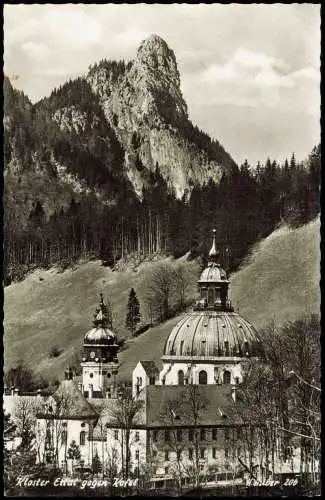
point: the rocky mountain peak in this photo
(155, 68)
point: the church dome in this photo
(99, 336)
(212, 334)
(212, 273)
(100, 333)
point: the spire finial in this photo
(214, 254)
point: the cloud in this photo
(131, 37)
(236, 61)
(38, 51)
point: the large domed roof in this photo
(212, 334)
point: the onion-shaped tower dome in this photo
(100, 343)
(100, 333)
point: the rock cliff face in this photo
(145, 107)
(104, 134)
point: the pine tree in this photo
(133, 316)
(96, 465)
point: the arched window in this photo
(82, 438)
(64, 437)
(180, 377)
(203, 377)
(226, 377)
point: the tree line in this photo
(245, 206)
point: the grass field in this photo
(279, 281)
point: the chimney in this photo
(233, 394)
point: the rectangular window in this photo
(190, 453)
(115, 435)
(182, 345)
(82, 438)
(137, 436)
(155, 436)
(227, 348)
(179, 435)
(203, 435)
(202, 452)
(166, 470)
(64, 437)
(190, 435)
(137, 454)
(152, 380)
(214, 452)
(214, 434)
(167, 436)
(166, 455)
(226, 431)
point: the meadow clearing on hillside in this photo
(280, 281)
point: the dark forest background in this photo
(44, 226)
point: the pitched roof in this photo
(150, 367)
(218, 410)
(71, 403)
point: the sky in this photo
(250, 74)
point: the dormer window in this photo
(181, 349)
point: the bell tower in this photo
(100, 363)
(214, 284)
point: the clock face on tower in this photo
(92, 354)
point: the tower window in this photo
(137, 454)
(226, 377)
(190, 453)
(203, 377)
(167, 436)
(214, 452)
(179, 453)
(91, 375)
(109, 375)
(179, 435)
(202, 435)
(190, 435)
(137, 436)
(202, 452)
(214, 434)
(82, 438)
(152, 380)
(166, 455)
(155, 436)
(116, 435)
(227, 353)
